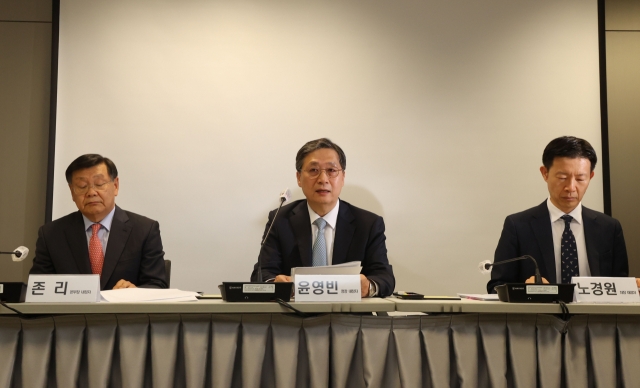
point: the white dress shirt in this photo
(577, 227)
(103, 232)
(329, 230)
(329, 236)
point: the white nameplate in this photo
(605, 290)
(63, 288)
(327, 288)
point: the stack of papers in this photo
(489, 297)
(348, 268)
(133, 295)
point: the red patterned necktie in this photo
(96, 257)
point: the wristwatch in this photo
(373, 289)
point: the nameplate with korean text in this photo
(327, 288)
(63, 288)
(605, 290)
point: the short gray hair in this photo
(315, 145)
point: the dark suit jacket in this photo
(529, 233)
(359, 236)
(134, 250)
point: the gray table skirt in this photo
(335, 350)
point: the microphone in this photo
(19, 254)
(485, 266)
(285, 195)
(530, 293)
(259, 291)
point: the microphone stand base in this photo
(535, 293)
(255, 292)
(13, 292)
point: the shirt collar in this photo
(106, 221)
(331, 217)
(556, 213)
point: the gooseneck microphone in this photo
(19, 254)
(259, 291)
(486, 265)
(14, 292)
(531, 293)
(285, 195)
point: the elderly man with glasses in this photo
(124, 248)
(324, 230)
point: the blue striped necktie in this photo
(320, 246)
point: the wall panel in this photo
(443, 109)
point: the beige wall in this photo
(25, 44)
(25, 67)
(203, 108)
(623, 98)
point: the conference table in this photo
(373, 343)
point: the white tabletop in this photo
(477, 306)
(201, 306)
(366, 305)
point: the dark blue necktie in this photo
(569, 252)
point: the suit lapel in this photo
(590, 237)
(344, 233)
(118, 236)
(301, 226)
(77, 239)
(541, 225)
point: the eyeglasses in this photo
(315, 172)
(82, 190)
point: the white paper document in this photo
(486, 297)
(134, 295)
(348, 268)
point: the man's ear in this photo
(298, 178)
(544, 172)
(592, 174)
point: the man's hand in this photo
(124, 284)
(283, 278)
(533, 280)
(638, 282)
(364, 286)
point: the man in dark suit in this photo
(566, 238)
(124, 248)
(323, 230)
